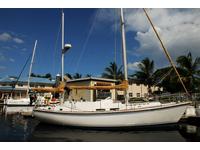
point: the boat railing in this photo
(166, 98)
(177, 97)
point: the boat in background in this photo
(198, 111)
(108, 112)
(8, 110)
(27, 100)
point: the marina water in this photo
(15, 127)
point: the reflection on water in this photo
(190, 132)
(54, 133)
(14, 127)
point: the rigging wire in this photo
(163, 77)
(55, 48)
(87, 39)
(21, 72)
(165, 51)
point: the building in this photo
(92, 95)
(9, 86)
(138, 90)
(135, 90)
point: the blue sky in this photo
(94, 35)
(19, 28)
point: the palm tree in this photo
(88, 75)
(77, 76)
(168, 79)
(69, 75)
(145, 73)
(48, 75)
(191, 75)
(113, 72)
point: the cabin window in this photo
(20, 85)
(138, 94)
(100, 110)
(130, 94)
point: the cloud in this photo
(178, 28)
(18, 40)
(11, 60)
(133, 66)
(2, 57)
(24, 49)
(6, 37)
(6, 47)
(2, 67)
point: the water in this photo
(15, 127)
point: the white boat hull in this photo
(123, 118)
(18, 102)
(18, 109)
(198, 112)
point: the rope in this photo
(166, 52)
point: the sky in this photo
(95, 37)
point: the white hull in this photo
(198, 112)
(17, 109)
(123, 118)
(18, 102)
(190, 112)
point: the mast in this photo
(30, 70)
(63, 38)
(63, 54)
(124, 53)
(166, 52)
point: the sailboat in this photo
(107, 112)
(23, 101)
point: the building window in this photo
(138, 94)
(137, 84)
(130, 94)
(20, 85)
(145, 94)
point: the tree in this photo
(113, 72)
(145, 73)
(190, 66)
(77, 76)
(69, 75)
(168, 79)
(88, 75)
(48, 75)
(33, 75)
